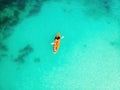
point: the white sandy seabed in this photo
(88, 58)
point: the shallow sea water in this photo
(88, 57)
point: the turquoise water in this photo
(88, 57)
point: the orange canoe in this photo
(56, 44)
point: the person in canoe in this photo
(56, 43)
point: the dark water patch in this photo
(14, 11)
(36, 7)
(10, 15)
(37, 60)
(15, 18)
(85, 45)
(115, 44)
(20, 59)
(112, 43)
(2, 56)
(3, 47)
(14, 22)
(41, 1)
(107, 5)
(65, 10)
(21, 4)
(26, 49)
(6, 24)
(6, 3)
(3, 51)
(97, 8)
(23, 53)
(7, 32)
(5, 20)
